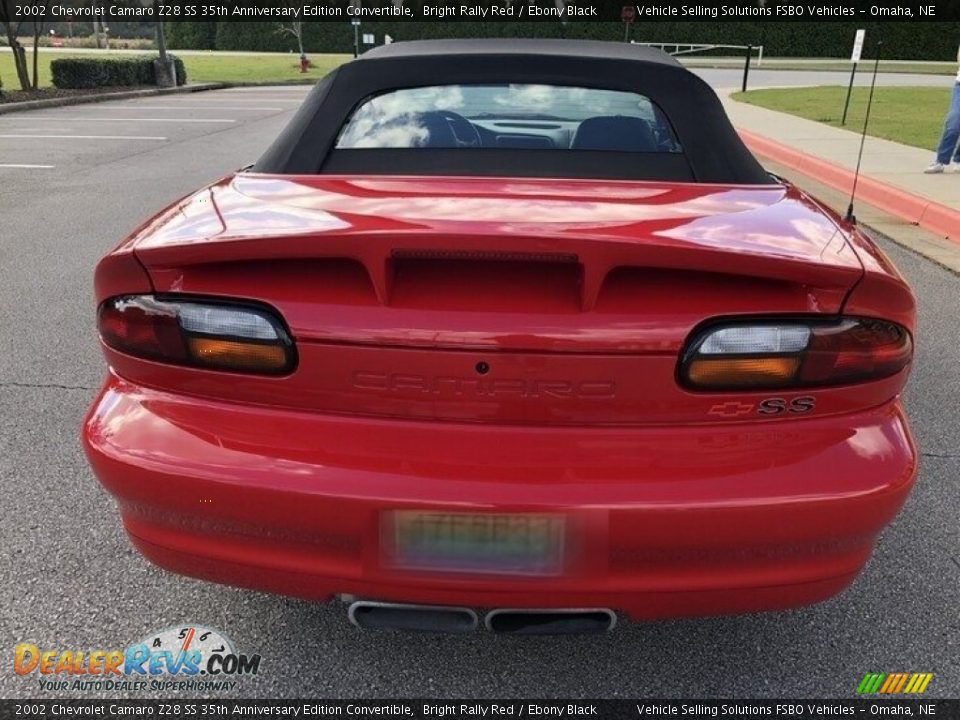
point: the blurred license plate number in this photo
(467, 542)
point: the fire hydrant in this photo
(304, 63)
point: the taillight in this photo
(746, 355)
(205, 334)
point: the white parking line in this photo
(261, 95)
(248, 102)
(288, 90)
(265, 98)
(27, 167)
(82, 137)
(188, 107)
(73, 118)
(233, 99)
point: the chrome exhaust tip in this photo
(551, 621)
(371, 615)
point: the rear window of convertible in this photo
(509, 116)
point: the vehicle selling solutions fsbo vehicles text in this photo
(737, 11)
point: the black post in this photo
(846, 104)
(746, 67)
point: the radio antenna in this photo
(850, 217)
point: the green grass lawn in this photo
(264, 68)
(257, 68)
(825, 65)
(909, 115)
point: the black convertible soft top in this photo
(712, 150)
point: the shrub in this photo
(181, 70)
(82, 73)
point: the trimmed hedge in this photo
(82, 73)
(181, 69)
(901, 40)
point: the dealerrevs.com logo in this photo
(186, 658)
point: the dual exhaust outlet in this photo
(371, 615)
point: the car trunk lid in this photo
(505, 300)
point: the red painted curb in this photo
(932, 216)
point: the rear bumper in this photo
(662, 522)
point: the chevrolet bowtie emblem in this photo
(730, 409)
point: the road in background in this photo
(72, 581)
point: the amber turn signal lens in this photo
(211, 334)
(744, 372)
(235, 355)
(771, 353)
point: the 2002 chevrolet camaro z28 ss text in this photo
(520, 326)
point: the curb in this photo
(6, 108)
(932, 216)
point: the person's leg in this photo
(951, 129)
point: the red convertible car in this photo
(511, 331)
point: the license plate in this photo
(468, 542)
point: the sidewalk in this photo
(891, 176)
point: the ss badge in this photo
(775, 406)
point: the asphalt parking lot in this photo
(74, 180)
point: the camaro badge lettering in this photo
(406, 383)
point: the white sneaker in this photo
(935, 168)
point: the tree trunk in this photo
(19, 56)
(36, 44)
(20, 62)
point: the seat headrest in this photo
(615, 132)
